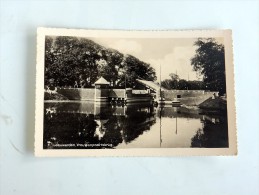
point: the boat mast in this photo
(125, 81)
(176, 126)
(160, 84)
(160, 128)
(160, 109)
(176, 80)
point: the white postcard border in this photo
(144, 152)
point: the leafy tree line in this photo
(181, 84)
(209, 61)
(71, 61)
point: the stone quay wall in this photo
(189, 97)
(89, 93)
(77, 93)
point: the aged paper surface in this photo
(134, 93)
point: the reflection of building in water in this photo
(162, 112)
(102, 123)
(101, 90)
(100, 128)
(131, 126)
(102, 115)
(139, 118)
(51, 110)
(212, 119)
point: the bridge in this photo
(150, 85)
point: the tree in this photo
(136, 69)
(113, 63)
(69, 60)
(209, 61)
(174, 77)
(72, 61)
(181, 84)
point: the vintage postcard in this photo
(134, 93)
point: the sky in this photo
(173, 54)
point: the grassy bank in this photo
(216, 104)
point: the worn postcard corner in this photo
(134, 93)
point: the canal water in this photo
(85, 125)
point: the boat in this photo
(176, 102)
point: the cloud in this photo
(178, 61)
(126, 46)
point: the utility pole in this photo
(188, 82)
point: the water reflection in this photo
(88, 125)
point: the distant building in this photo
(101, 90)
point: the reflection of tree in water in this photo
(113, 131)
(63, 128)
(213, 135)
(110, 126)
(104, 128)
(119, 128)
(138, 121)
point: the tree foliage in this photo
(209, 61)
(182, 84)
(71, 61)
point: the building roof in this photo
(102, 81)
(150, 84)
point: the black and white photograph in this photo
(136, 92)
